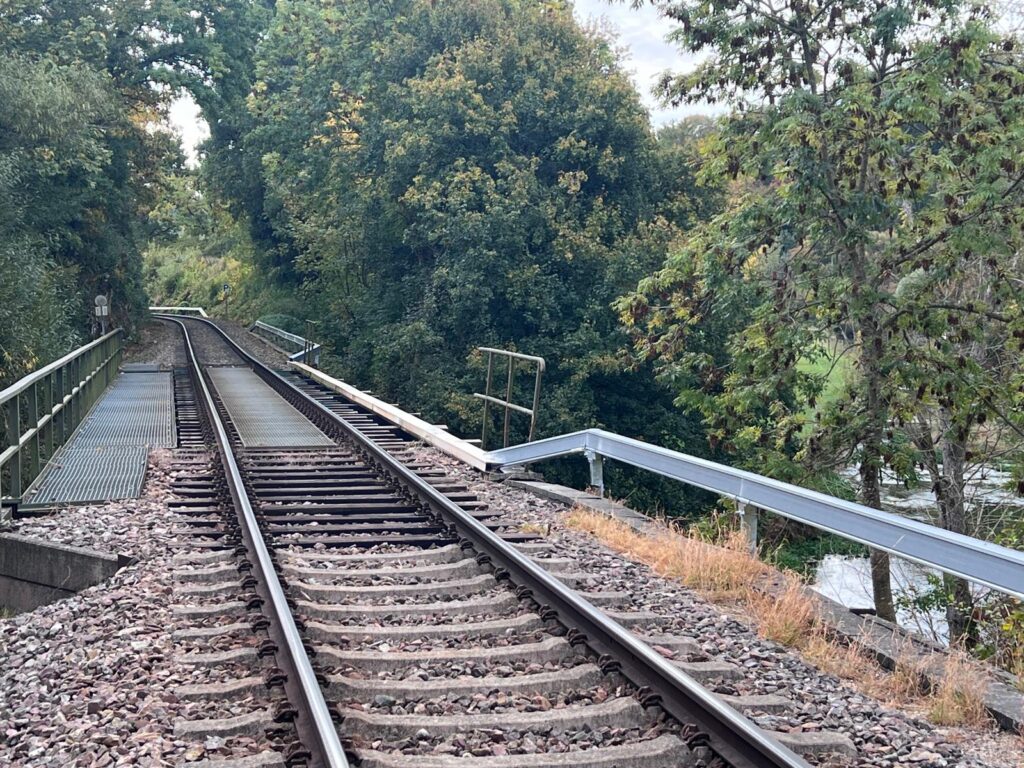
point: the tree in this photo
(874, 148)
(53, 161)
(463, 174)
(84, 85)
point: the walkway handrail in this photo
(184, 310)
(507, 403)
(40, 411)
(310, 350)
(979, 561)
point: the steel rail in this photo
(979, 561)
(730, 735)
(314, 720)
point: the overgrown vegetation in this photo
(198, 247)
(442, 176)
(876, 197)
(83, 86)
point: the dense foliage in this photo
(876, 215)
(75, 162)
(84, 85)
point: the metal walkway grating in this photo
(106, 456)
(262, 417)
(136, 410)
(78, 475)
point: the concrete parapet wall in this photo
(34, 572)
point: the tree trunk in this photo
(871, 460)
(881, 580)
(949, 493)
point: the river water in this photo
(847, 580)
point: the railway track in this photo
(367, 608)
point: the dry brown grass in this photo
(843, 660)
(787, 615)
(784, 614)
(957, 699)
(538, 528)
(724, 571)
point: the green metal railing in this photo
(39, 412)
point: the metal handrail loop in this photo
(507, 403)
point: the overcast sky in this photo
(641, 32)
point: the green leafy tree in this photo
(52, 157)
(463, 174)
(874, 149)
(84, 83)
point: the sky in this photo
(640, 32)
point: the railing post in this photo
(508, 399)
(748, 523)
(487, 391)
(536, 402)
(76, 397)
(50, 426)
(59, 379)
(35, 447)
(596, 462)
(15, 422)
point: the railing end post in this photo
(596, 462)
(748, 515)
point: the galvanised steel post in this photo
(75, 380)
(748, 515)
(596, 462)
(536, 402)
(58, 427)
(487, 391)
(49, 414)
(34, 449)
(508, 400)
(15, 421)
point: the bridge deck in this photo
(262, 417)
(106, 456)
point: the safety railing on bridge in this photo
(308, 351)
(978, 561)
(41, 410)
(507, 404)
